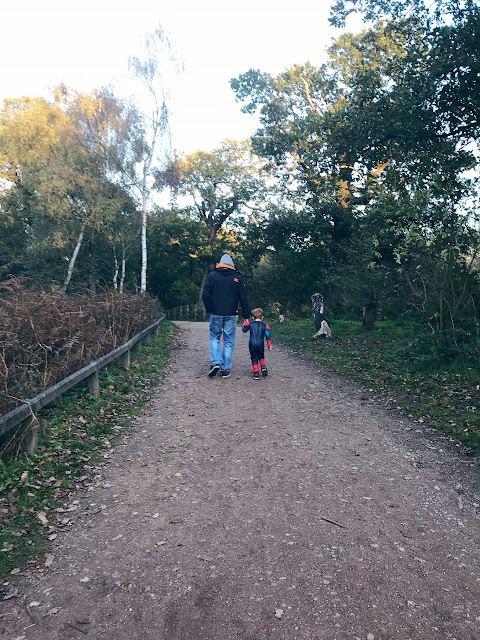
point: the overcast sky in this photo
(87, 45)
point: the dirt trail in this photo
(295, 507)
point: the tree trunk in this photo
(115, 273)
(143, 276)
(207, 271)
(318, 310)
(124, 269)
(73, 259)
(324, 330)
(321, 324)
(370, 317)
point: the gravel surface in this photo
(297, 507)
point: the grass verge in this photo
(393, 360)
(75, 433)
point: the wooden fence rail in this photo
(25, 413)
(187, 312)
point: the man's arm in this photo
(242, 294)
(207, 293)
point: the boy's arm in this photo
(246, 326)
(267, 336)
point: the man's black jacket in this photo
(224, 289)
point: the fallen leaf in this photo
(278, 613)
(14, 572)
(49, 558)
(35, 603)
(155, 515)
(43, 518)
(85, 579)
(24, 477)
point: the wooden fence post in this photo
(126, 360)
(94, 384)
(30, 439)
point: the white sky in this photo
(86, 45)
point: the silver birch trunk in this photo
(74, 257)
(115, 274)
(124, 269)
(143, 276)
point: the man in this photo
(224, 289)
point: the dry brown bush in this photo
(45, 337)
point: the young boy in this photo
(259, 332)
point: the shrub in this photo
(46, 336)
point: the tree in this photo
(363, 131)
(398, 9)
(219, 184)
(178, 256)
(151, 130)
(58, 178)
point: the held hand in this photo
(269, 348)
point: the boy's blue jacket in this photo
(223, 291)
(259, 332)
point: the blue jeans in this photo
(226, 325)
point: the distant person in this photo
(259, 333)
(224, 289)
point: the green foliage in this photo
(396, 9)
(75, 433)
(64, 198)
(179, 255)
(375, 142)
(220, 185)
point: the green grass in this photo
(399, 362)
(75, 432)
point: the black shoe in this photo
(214, 369)
(256, 375)
(264, 372)
(225, 373)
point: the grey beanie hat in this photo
(226, 259)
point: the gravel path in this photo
(292, 508)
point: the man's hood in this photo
(225, 269)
